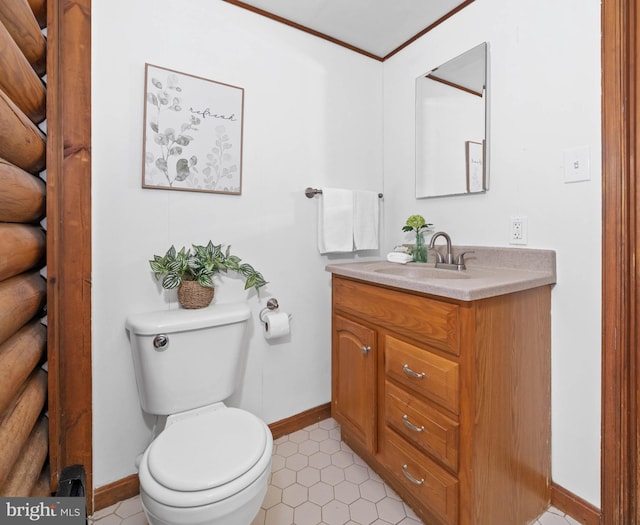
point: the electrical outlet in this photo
(518, 230)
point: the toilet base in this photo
(239, 509)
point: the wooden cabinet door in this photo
(353, 396)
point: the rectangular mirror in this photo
(452, 127)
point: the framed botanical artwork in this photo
(475, 166)
(192, 133)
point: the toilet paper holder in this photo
(272, 306)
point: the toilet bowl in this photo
(209, 466)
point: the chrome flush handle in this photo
(411, 373)
(161, 342)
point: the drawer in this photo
(426, 320)
(423, 425)
(433, 486)
(423, 372)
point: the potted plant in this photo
(417, 224)
(192, 272)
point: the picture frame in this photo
(193, 127)
(475, 166)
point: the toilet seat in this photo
(206, 458)
(207, 451)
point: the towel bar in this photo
(312, 192)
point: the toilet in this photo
(210, 463)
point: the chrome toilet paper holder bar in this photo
(272, 306)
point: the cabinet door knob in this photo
(413, 480)
(366, 349)
(411, 373)
(410, 425)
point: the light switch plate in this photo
(576, 164)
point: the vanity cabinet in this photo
(354, 392)
(448, 400)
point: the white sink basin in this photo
(416, 272)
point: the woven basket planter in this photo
(191, 295)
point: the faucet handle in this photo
(460, 260)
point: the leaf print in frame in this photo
(192, 133)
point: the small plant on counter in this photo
(200, 265)
(419, 225)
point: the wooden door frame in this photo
(69, 237)
(620, 244)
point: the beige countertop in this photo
(490, 272)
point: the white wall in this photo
(313, 117)
(545, 82)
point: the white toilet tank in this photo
(186, 359)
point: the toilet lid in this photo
(207, 450)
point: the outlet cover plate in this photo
(518, 230)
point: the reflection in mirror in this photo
(451, 127)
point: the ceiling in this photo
(376, 28)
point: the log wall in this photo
(24, 428)
(24, 28)
(22, 198)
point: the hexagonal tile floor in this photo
(318, 480)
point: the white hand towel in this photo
(335, 221)
(366, 220)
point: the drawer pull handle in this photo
(365, 349)
(410, 425)
(413, 480)
(411, 373)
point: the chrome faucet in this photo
(447, 260)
